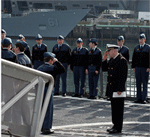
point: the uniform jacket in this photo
(27, 50)
(38, 53)
(95, 58)
(24, 60)
(63, 54)
(79, 58)
(9, 55)
(125, 52)
(140, 57)
(117, 74)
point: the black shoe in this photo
(137, 101)
(64, 94)
(110, 129)
(81, 96)
(90, 97)
(47, 131)
(113, 131)
(75, 95)
(94, 97)
(143, 102)
(56, 94)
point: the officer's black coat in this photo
(23, 59)
(63, 54)
(141, 57)
(38, 53)
(9, 55)
(79, 58)
(27, 50)
(125, 52)
(117, 74)
(95, 58)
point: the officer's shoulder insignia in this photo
(35, 48)
(138, 49)
(75, 52)
(89, 51)
(55, 48)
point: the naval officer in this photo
(94, 64)
(78, 65)
(140, 65)
(124, 50)
(38, 52)
(54, 67)
(63, 54)
(27, 48)
(3, 34)
(117, 74)
(6, 52)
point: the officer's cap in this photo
(7, 41)
(60, 37)
(120, 38)
(49, 54)
(38, 37)
(79, 40)
(111, 46)
(3, 31)
(93, 40)
(20, 36)
(22, 43)
(142, 36)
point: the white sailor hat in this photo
(79, 40)
(38, 37)
(142, 36)
(111, 46)
(60, 37)
(3, 31)
(20, 36)
(120, 38)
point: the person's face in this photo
(60, 41)
(39, 41)
(23, 39)
(51, 61)
(3, 35)
(142, 41)
(111, 53)
(16, 49)
(91, 45)
(79, 45)
(120, 43)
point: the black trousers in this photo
(117, 110)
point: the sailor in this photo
(94, 64)
(117, 69)
(78, 65)
(38, 52)
(141, 67)
(6, 53)
(23, 59)
(123, 49)
(3, 34)
(54, 67)
(27, 48)
(63, 54)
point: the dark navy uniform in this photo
(117, 74)
(63, 54)
(140, 61)
(78, 66)
(38, 53)
(94, 64)
(54, 70)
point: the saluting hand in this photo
(105, 55)
(54, 60)
(96, 72)
(86, 71)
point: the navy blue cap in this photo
(79, 40)
(60, 37)
(142, 36)
(49, 54)
(38, 37)
(93, 40)
(3, 31)
(120, 38)
(22, 43)
(7, 41)
(20, 36)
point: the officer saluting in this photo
(123, 49)
(117, 74)
(38, 52)
(63, 54)
(54, 67)
(27, 48)
(94, 64)
(140, 65)
(6, 53)
(79, 58)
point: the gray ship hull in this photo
(48, 24)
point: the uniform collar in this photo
(94, 48)
(47, 63)
(142, 45)
(80, 48)
(116, 56)
(20, 53)
(5, 48)
(39, 45)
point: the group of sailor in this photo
(83, 61)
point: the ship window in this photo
(42, 6)
(7, 7)
(114, 5)
(76, 5)
(89, 5)
(60, 7)
(22, 5)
